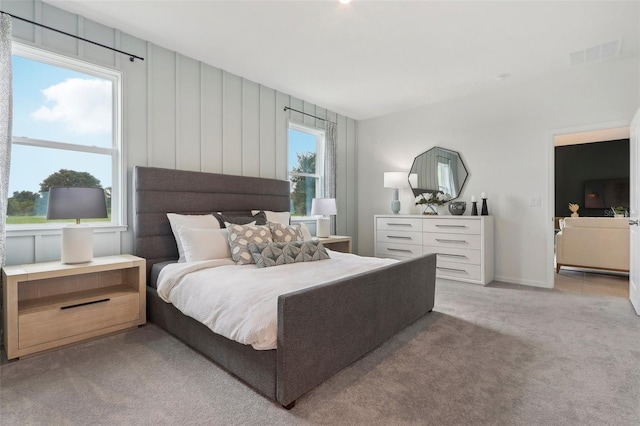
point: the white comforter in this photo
(240, 302)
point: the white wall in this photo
(181, 113)
(504, 137)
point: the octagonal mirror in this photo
(438, 170)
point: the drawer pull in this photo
(452, 269)
(442, 240)
(452, 255)
(399, 224)
(451, 226)
(398, 237)
(84, 304)
(402, 250)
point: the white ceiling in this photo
(371, 58)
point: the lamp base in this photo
(323, 227)
(77, 244)
(395, 206)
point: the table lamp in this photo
(396, 180)
(323, 207)
(76, 203)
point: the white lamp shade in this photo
(396, 180)
(323, 206)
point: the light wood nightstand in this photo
(52, 304)
(337, 242)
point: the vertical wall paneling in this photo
(232, 124)
(211, 119)
(163, 107)
(351, 165)
(188, 117)
(27, 10)
(268, 147)
(251, 148)
(281, 123)
(63, 21)
(178, 113)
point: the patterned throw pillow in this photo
(285, 233)
(239, 238)
(278, 253)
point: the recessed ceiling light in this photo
(501, 77)
(345, 1)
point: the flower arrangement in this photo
(618, 211)
(431, 199)
(574, 209)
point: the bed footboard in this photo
(323, 329)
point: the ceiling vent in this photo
(596, 53)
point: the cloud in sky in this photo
(83, 105)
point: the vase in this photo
(430, 210)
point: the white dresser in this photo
(464, 244)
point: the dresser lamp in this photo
(76, 203)
(323, 207)
(397, 180)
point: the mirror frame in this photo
(418, 191)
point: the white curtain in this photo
(330, 165)
(6, 107)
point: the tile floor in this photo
(587, 281)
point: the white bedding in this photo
(240, 302)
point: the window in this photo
(66, 132)
(306, 171)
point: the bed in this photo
(320, 330)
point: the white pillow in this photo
(204, 244)
(202, 221)
(306, 234)
(278, 217)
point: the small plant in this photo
(618, 211)
(433, 198)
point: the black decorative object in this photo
(474, 208)
(485, 210)
(457, 208)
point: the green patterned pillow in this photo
(240, 236)
(279, 253)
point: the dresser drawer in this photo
(452, 226)
(452, 240)
(398, 250)
(400, 237)
(47, 325)
(399, 224)
(448, 254)
(458, 271)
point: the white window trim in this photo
(320, 148)
(118, 184)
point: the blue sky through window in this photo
(54, 103)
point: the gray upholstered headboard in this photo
(161, 191)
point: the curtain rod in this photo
(310, 115)
(131, 56)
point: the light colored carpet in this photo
(497, 355)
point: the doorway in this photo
(581, 160)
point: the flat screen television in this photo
(606, 193)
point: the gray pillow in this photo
(259, 218)
(285, 233)
(279, 253)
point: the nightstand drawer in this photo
(39, 326)
(462, 241)
(453, 226)
(398, 250)
(458, 271)
(400, 237)
(399, 224)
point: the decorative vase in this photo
(485, 209)
(430, 209)
(457, 208)
(474, 208)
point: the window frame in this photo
(118, 178)
(320, 135)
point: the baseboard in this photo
(520, 281)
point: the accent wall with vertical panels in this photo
(180, 113)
